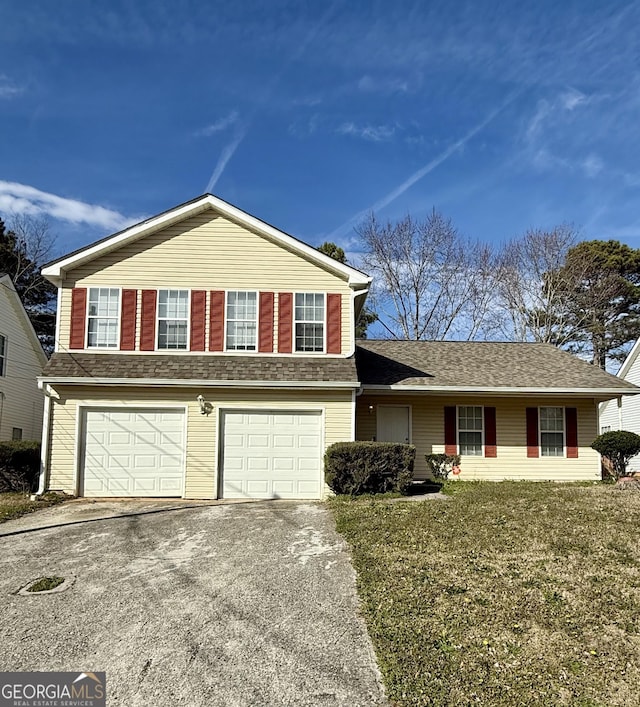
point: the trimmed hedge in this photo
(356, 468)
(19, 465)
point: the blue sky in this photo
(503, 115)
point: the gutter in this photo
(177, 382)
(503, 390)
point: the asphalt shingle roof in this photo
(470, 364)
(205, 367)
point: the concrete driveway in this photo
(189, 604)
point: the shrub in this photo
(19, 465)
(618, 447)
(355, 468)
(441, 465)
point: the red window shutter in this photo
(533, 449)
(450, 430)
(571, 422)
(334, 323)
(128, 320)
(78, 317)
(148, 320)
(265, 319)
(285, 322)
(490, 444)
(198, 315)
(216, 321)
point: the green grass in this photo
(14, 505)
(46, 584)
(503, 594)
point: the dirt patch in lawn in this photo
(14, 505)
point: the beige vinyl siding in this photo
(201, 463)
(209, 253)
(427, 414)
(21, 403)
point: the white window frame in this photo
(564, 432)
(3, 356)
(88, 317)
(227, 320)
(459, 430)
(304, 321)
(159, 319)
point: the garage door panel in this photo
(133, 453)
(271, 454)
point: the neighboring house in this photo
(203, 353)
(21, 362)
(624, 412)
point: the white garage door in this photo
(271, 454)
(133, 452)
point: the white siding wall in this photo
(609, 415)
(21, 402)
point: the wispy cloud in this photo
(219, 125)
(8, 88)
(422, 172)
(370, 84)
(373, 133)
(23, 199)
(242, 129)
(227, 153)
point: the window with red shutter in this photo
(450, 432)
(334, 323)
(285, 322)
(216, 321)
(265, 319)
(78, 317)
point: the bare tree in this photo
(431, 283)
(531, 287)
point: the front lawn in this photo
(504, 594)
(14, 505)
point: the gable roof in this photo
(54, 271)
(7, 285)
(176, 369)
(470, 366)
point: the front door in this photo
(393, 423)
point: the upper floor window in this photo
(103, 317)
(3, 355)
(470, 429)
(309, 322)
(242, 314)
(173, 319)
(552, 431)
(16, 434)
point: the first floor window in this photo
(173, 319)
(309, 322)
(103, 317)
(17, 433)
(242, 314)
(470, 430)
(3, 355)
(552, 431)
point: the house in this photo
(21, 362)
(623, 413)
(204, 353)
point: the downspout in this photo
(1, 411)
(44, 447)
(620, 413)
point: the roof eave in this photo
(191, 382)
(503, 390)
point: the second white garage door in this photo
(130, 452)
(271, 454)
